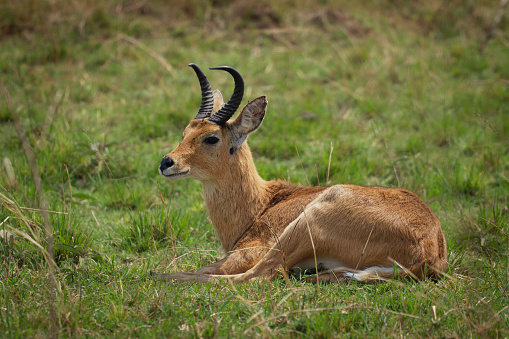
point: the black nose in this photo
(166, 163)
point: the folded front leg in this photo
(238, 261)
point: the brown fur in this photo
(265, 227)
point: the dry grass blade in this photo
(317, 175)
(17, 211)
(173, 241)
(496, 315)
(363, 250)
(406, 270)
(491, 127)
(5, 236)
(7, 218)
(278, 247)
(30, 239)
(52, 110)
(301, 165)
(43, 202)
(314, 249)
(251, 318)
(262, 323)
(70, 194)
(41, 211)
(13, 207)
(10, 173)
(149, 51)
(327, 182)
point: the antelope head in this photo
(211, 142)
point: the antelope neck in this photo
(235, 199)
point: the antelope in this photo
(266, 228)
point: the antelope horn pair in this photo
(207, 98)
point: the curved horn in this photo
(207, 99)
(225, 113)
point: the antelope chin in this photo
(174, 176)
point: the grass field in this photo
(408, 94)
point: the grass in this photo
(404, 92)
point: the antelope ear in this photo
(218, 101)
(249, 119)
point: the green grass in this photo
(400, 89)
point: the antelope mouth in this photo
(176, 175)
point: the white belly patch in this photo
(328, 263)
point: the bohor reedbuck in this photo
(269, 228)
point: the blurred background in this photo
(397, 93)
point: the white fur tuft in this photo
(370, 273)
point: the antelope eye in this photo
(211, 140)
